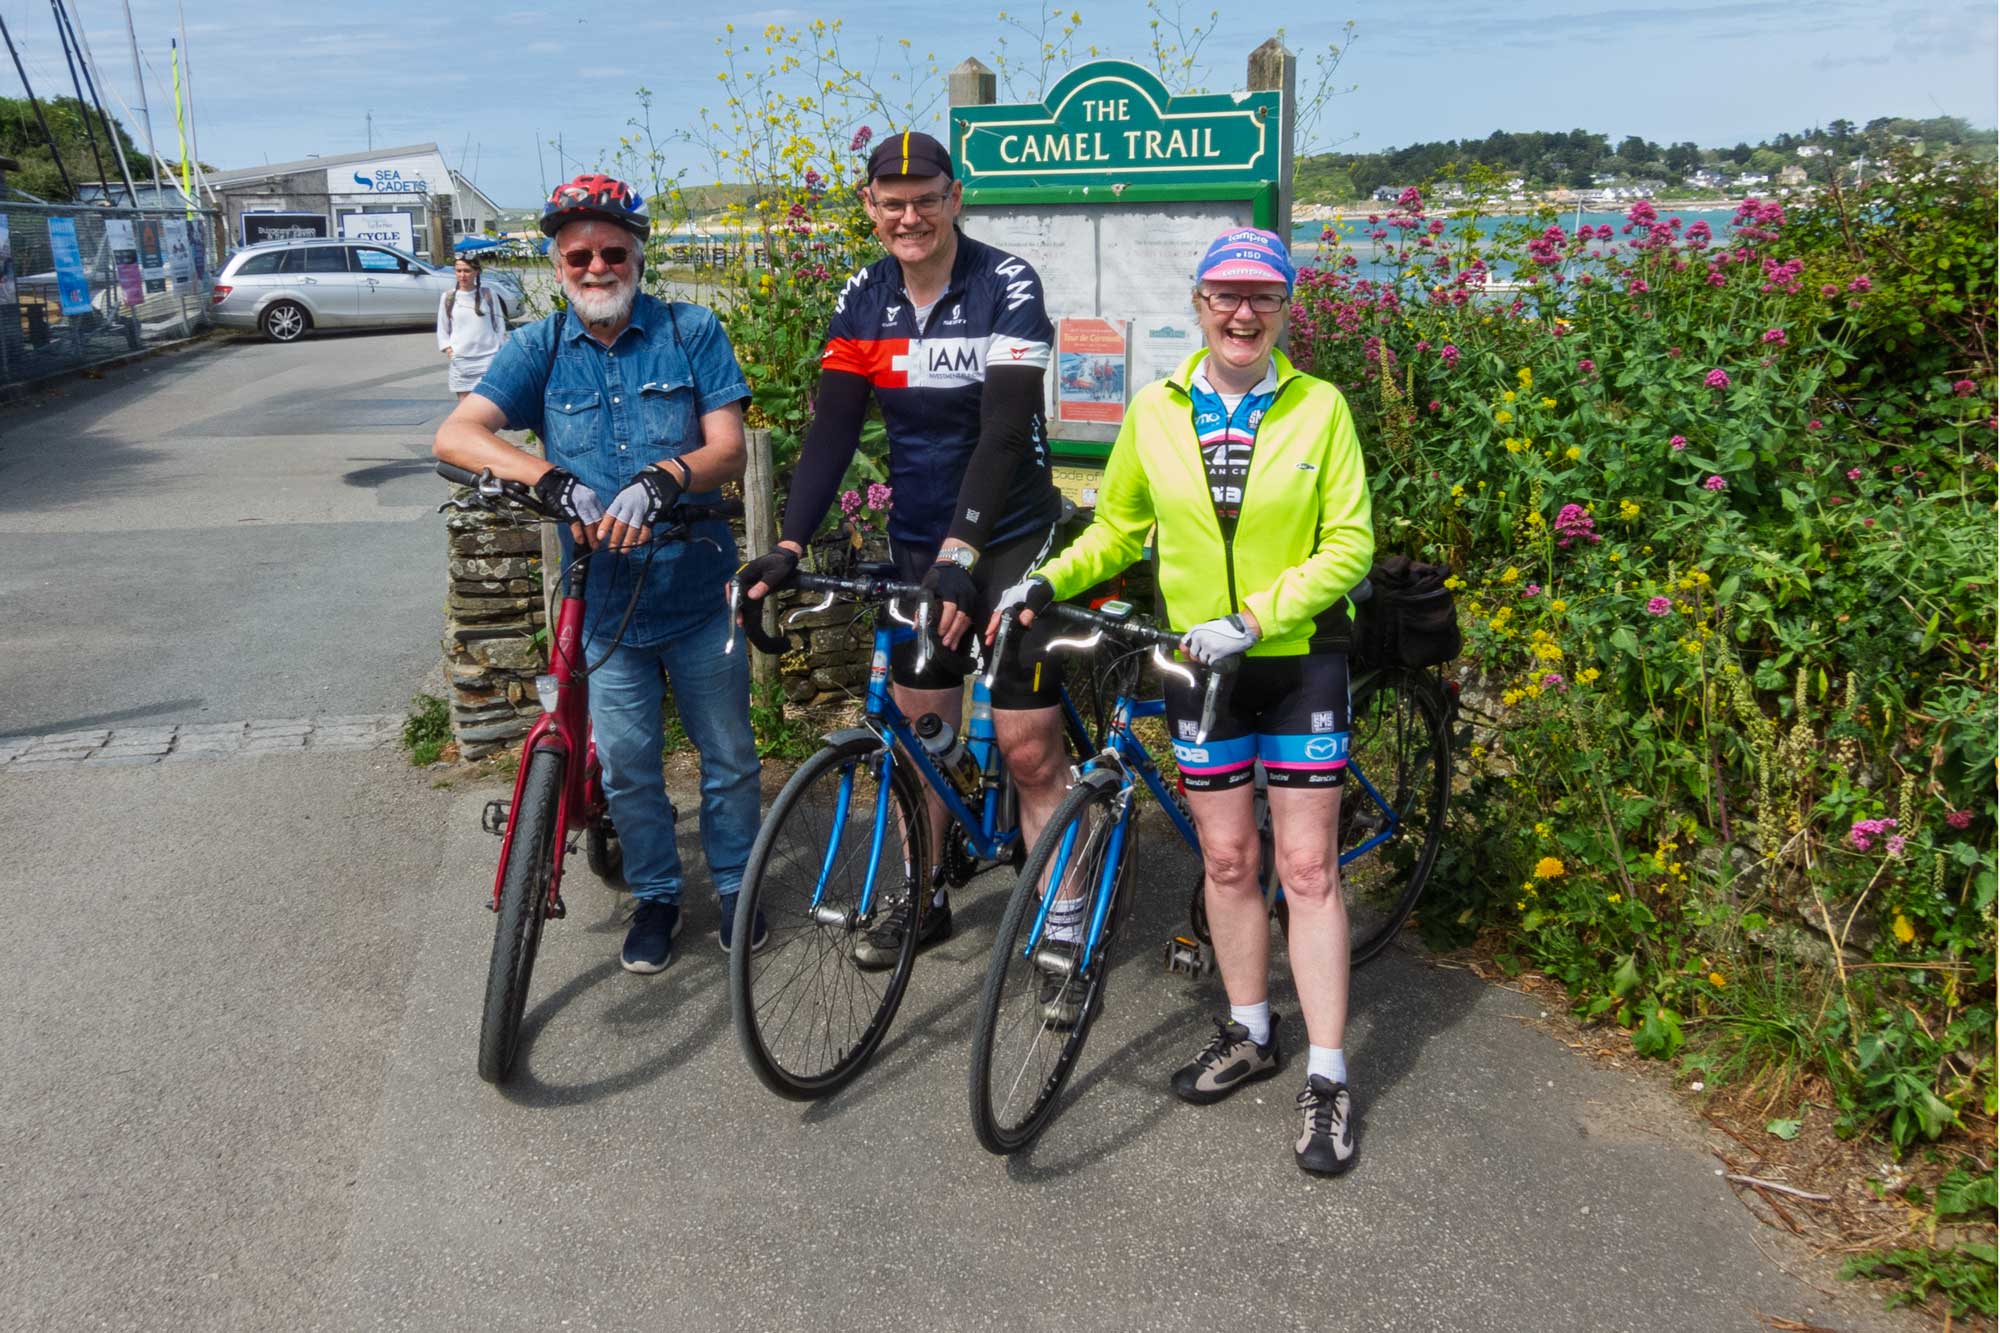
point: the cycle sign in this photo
(392, 229)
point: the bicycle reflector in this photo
(547, 689)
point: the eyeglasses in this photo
(1228, 303)
(613, 256)
(926, 205)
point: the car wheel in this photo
(285, 321)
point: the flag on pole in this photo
(180, 123)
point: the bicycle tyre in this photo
(524, 895)
(605, 854)
(1013, 988)
(787, 860)
(1399, 738)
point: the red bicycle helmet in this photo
(603, 198)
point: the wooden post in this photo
(1272, 66)
(971, 84)
(760, 530)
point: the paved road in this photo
(240, 997)
(234, 531)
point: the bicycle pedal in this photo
(1186, 955)
(494, 818)
(558, 909)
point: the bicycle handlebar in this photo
(490, 488)
(874, 590)
(1137, 630)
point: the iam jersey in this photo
(929, 380)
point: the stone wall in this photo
(493, 610)
(832, 660)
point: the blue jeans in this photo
(712, 696)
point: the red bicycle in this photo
(556, 799)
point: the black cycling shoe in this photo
(882, 946)
(1226, 1064)
(1326, 1137)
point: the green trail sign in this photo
(1113, 123)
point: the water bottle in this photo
(951, 754)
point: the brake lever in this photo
(798, 611)
(735, 611)
(1007, 624)
(924, 605)
(1208, 700)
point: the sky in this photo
(278, 82)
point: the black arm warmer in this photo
(1010, 403)
(829, 447)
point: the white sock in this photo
(1066, 919)
(1329, 1062)
(1256, 1018)
(937, 878)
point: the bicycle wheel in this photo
(524, 897)
(1037, 1006)
(1393, 805)
(808, 1016)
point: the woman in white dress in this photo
(471, 327)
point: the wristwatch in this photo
(962, 556)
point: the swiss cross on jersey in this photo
(928, 379)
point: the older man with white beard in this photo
(638, 402)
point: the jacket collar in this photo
(1184, 376)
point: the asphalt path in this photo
(241, 997)
(234, 530)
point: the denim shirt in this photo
(604, 413)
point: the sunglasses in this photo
(613, 255)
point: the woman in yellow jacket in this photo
(1250, 471)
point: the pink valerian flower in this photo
(1959, 819)
(1586, 365)
(1431, 406)
(1699, 234)
(1449, 354)
(879, 496)
(1714, 484)
(1862, 836)
(850, 503)
(1639, 285)
(1604, 232)
(860, 139)
(1716, 278)
(1775, 337)
(1658, 606)
(1678, 443)
(1532, 590)
(1829, 290)
(1574, 524)
(1962, 388)
(1854, 474)
(1860, 284)
(1554, 681)
(1894, 846)
(1717, 379)
(1815, 424)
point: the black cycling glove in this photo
(774, 569)
(952, 583)
(650, 495)
(1032, 594)
(570, 498)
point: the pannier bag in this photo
(1405, 616)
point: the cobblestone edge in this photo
(115, 746)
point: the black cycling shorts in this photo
(1027, 678)
(1290, 712)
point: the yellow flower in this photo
(1588, 676)
(1549, 868)
(1549, 652)
(1514, 446)
(1548, 402)
(1717, 979)
(1520, 906)
(1503, 416)
(1535, 519)
(1507, 397)
(1526, 377)
(1628, 509)
(1572, 453)
(1454, 582)
(1542, 829)
(1559, 606)
(1457, 491)
(1614, 897)
(1512, 575)
(1614, 557)
(1902, 929)
(1510, 697)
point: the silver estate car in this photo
(284, 288)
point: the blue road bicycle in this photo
(1045, 986)
(847, 843)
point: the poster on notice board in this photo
(152, 254)
(72, 283)
(124, 245)
(180, 254)
(1090, 370)
(8, 294)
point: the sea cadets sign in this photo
(1113, 123)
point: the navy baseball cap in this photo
(910, 153)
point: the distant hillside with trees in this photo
(1581, 158)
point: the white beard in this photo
(607, 304)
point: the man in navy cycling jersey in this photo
(952, 339)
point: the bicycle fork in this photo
(832, 914)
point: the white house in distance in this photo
(408, 197)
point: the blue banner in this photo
(71, 281)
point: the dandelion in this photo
(1677, 443)
(1902, 929)
(1717, 379)
(1549, 868)
(1717, 979)
(1658, 606)
(1715, 484)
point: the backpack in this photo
(1405, 616)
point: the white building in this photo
(408, 196)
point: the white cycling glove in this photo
(1213, 640)
(1030, 594)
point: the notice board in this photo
(1112, 189)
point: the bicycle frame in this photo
(982, 829)
(564, 728)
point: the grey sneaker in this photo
(1228, 1062)
(882, 946)
(1326, 1140)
